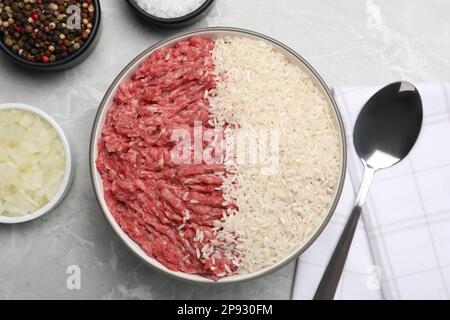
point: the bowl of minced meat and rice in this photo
(218, 156)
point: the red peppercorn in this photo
(45, 59)
(35, 17)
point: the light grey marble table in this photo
(348, 41)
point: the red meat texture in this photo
(146, 192)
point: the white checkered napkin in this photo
(406, 219)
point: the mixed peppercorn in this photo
(46, 30)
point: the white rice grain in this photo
(258, 87)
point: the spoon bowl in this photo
(388, 126)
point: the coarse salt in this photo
(169, 8)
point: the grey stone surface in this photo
(348, 41)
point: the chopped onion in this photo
(32, 162)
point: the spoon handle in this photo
(330, 280)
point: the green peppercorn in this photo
(9, 42)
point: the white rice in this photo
(277, 213)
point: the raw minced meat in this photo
(169, 210)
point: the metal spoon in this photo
(386, 130)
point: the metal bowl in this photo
(130, 69)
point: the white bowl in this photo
(211, 33)
(68, 176)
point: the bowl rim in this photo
(68, 174)
(172, 21)
(50, 65)
(131, 245)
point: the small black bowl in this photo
(183, 21)
(69, 62)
